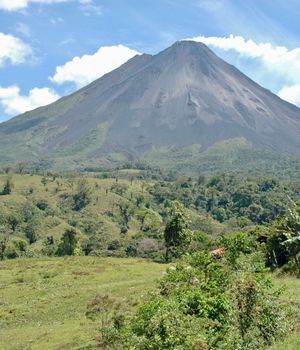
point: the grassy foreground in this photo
(43, 301)
(291, 294)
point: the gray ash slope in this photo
(182, 96)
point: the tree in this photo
(201, 180)
(20, 167)
(125, 212)
(7, 169)
(44, 180)
(68, 242)
(177, 234)
(49, 246)
(8, 185)
(220, 214)
(31, 231)
(83, 195)
(3, 245)
(289, 226)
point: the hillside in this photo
(121, 216)
(125, 213)
(185, 96)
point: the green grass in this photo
(43, 301)
(291, 293)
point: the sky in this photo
(50, 48)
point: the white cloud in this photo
(85, 69)
(14, 103)
(56, 20)
(291, 94)
(89, 8)
(13, 50)
(274, 55)
(15, 5)
(23, 29)
(278, 60)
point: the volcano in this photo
(184, 95)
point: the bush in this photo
(106, 310)
(202, 303)
(7, 188)
(235, 244)
(16, 248)
(42, 204)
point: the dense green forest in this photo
(223, 240)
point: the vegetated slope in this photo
(183, 96)
(44, 206)
(122, 218)
(125, 217)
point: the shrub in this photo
(106, 310)
(15, 248)
(8, 185)
(202, 303)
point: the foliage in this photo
(68, 242)
(140, 208)
(289, 227)
(3, 245)
(31, 231)
(106, 310)
(203, 301)
(8, 185)
(177, 234)
(236, 244)
(125, 211)
(15, 248)
(82, 196)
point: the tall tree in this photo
(289, 226)
(125, 213)
(177, 233)
(82, 197)
(3, 245)
(68, 242)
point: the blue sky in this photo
(49, 48)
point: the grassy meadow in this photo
(291, 293)
(43, 301)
